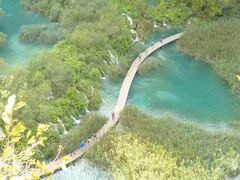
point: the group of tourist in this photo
(85, 143)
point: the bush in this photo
(47, 33)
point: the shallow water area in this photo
(15, 16)
(183, 87)
(82, 170)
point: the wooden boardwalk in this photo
(122, 99)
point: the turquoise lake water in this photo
(182, 87)
(15, 16)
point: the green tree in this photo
(18, 145)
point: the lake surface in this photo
(182, 87)
(14, 18)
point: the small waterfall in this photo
(87, 111)
(136, 38)
(92, 90)
(76, 121)
(103, 78)
(55, 127)
(155, 24)
(189, 22)
(50, 96)
(85, 97)
(113, 58)
(62, 124)
(128, 18)
(165, 25)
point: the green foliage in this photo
(215, 154)
(18, 145)
(47, 33)
(216, 43)
(148, 65)
(88, 126)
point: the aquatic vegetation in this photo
(46, 33)
(216, 43)
(148, 65)
(216, 154)
(3, 38)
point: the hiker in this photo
(113, 115)
(89, 141)
(82, 145)
(161, 41)
(94, 136)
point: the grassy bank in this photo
(218, 44)
(205, 154)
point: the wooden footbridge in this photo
(122, 99)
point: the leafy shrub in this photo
(47, 33)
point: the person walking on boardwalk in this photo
(113, 116)
(82, 145)
(94, 136)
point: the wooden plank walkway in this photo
(122, 99)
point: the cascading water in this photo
(87, 111)
(136, 36)
(165, 25)
(128, 18)
(114, 59)
(136, 39)
(50, 96)
(92, 90)
(86, 98)
(54, 126)
(155, 24)
(62, 124)
(76, 120)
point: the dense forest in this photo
(97, 39)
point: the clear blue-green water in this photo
(15, 16)
(182, 87)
